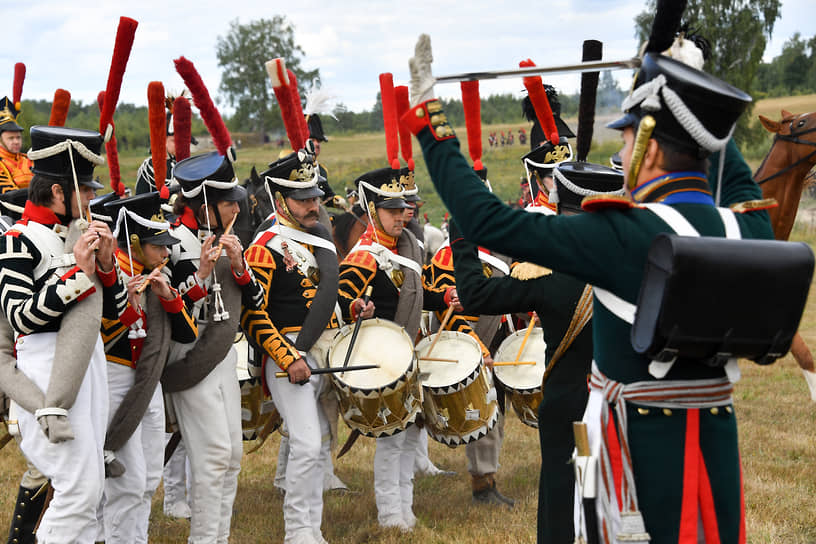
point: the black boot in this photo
(27, 511)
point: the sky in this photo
(69, 45)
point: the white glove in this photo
(422, 80)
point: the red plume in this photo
(297, 107)
(473, 121)
(203, 101)
(182, 126)
(282, 85)
(59, 108)
(121, 53)
(538, 97)
(113, 154)
(389, 108)
(17, 91)
(158, 135)
(403, 105)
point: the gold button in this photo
(67, 297)
(667, 412)
(420, 113)
(643, 411)
(729, 409)
(715, 411)
(440, 132)
(77, 291)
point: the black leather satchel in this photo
(712, 299)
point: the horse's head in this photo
(783, 172)
(258, 205)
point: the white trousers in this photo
(153, 448)
(306, 424)
(176, 475)
(209, 418)
(393, 476)
(123, 494)
(75, 467)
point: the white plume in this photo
(319, 101)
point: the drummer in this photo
(563, 305)
(295, 261)
(388, 258)
(482, 454)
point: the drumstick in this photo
(226, 231)
(526, 336)
(366, 297)
(146, 282)
(441, 328)
(513, 363)
(438, 359)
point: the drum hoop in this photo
(476, 434)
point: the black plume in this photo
(593, 50)
(666, 24)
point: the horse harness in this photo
(792, 137)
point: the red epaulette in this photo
(361, 259)
(13, 233)
(595, 203)
(258, 255)
(443, 258)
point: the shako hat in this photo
(316, 127)
(208, 178)
(8, 116)
(576, 180)
(98, 210)
(59, 152)
(536, 132)
(295, 175)
(693, 111)
(382, 188)
(141, 216)
(547, 156)
(12, 203)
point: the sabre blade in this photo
(581, 67)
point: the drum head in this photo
(455, 346)
(380, 342)
(522, 377)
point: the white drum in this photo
(523, 382)
(380, 401)
(459, 404)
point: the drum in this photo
(523, 382)
(257, 409)
(459, 404)
(379, 401)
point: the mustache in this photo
(312, 215)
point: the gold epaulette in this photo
(258, 256)
(529, 271)
(593, 203)
(443, 258)
(754, 205)
(361, 259)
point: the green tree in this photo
(244, 82)
(738, 31)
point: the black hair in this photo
(39, 189)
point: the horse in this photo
(783, 175)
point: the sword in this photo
(366, 296)
(331, 370)
(580, 67)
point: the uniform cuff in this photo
(428, 114)
(448, 295)
(77, 286)
(244, 278)
(130, 316)
(107, 278)
(174, 305)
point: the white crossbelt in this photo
(626, 310)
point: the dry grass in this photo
(777, 428)
(771, 107)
